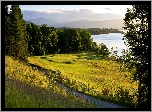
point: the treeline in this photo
(44, 40)
(24, 39)
(97, 31)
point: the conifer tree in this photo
(6, 29)
(17, 29)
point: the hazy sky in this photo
(61, 13)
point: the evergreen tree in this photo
(18, 46)
(6, 30)
(136, 22)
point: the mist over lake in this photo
(111, 40)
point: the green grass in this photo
(21, 95)
(28, 88)
(90, 68)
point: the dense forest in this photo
(45, 40)
(26, 39)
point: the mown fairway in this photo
(103, 76)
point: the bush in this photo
(103, 50)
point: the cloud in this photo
(85, 11)
(107, 8)
(53, 11)
(60, 15)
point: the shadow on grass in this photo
(24, 87)
(89, 56)
(43, 57)
(51, 61)
(38, 94)
(68, 62)
(38, 67)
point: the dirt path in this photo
(97, 102)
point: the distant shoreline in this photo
(106, 33)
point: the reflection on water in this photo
(111, 40)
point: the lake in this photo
(111, 40)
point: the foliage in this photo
(16, 43)
(34, 39)
(50, 39)
(6, 30)
(44, 40)
(103, 50)
(136, 22)
(94, 47)
(86, 40)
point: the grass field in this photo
(28, 88)
(104, 77)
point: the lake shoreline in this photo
(111, 40)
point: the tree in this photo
(74, 40)
(45, 37)
(94, 47)
(136, 22)
(104, 51)
(18, 46)
(86, 40)
(6, 30)
(62, 40)
(29, 38)
(70, 39)
(52, 43)
(35, 38)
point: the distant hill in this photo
(115, 23)
(42, 20)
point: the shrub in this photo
(103, 50)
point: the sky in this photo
(62, 13)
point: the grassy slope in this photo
(28, 88)
(89, 69)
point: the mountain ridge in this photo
(82, 23)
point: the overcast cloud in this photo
(60, 15)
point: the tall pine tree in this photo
(18, 46)
(6, 29)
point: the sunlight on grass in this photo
(89, 69)
(28, 88)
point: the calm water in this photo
(111, 40)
